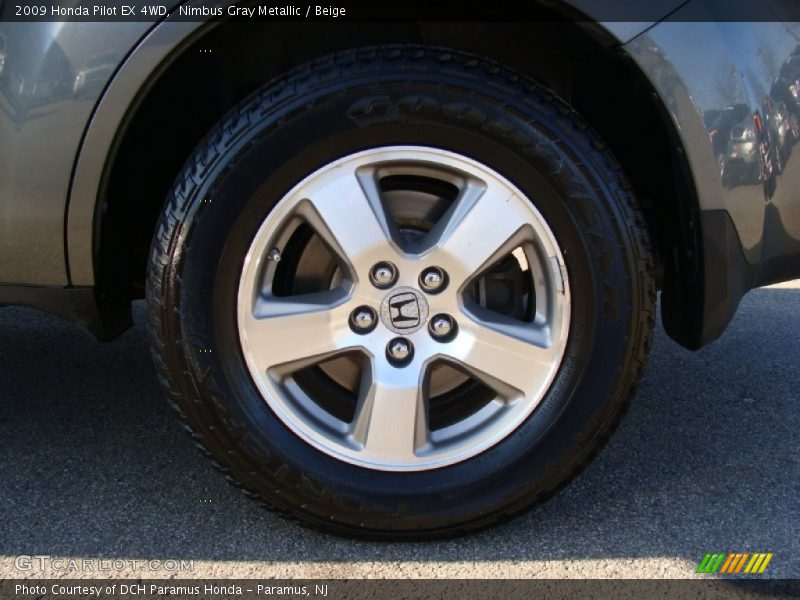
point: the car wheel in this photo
(402, 292)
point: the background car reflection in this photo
(752, 148)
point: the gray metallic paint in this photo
(48, 213)
(128, 82)
(749, 228)
(41, 125)
(695, 67)
(698, 67)
(132, 78)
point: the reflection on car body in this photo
(93, 74)
(741, 163)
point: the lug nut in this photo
(442, 327)
(383, 275)
(433, 280)
(363, 319)
(399, 351)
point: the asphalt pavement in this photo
(93, 468)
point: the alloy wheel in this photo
(435, 323)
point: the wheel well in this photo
(226, 62)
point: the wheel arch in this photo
(124, 171)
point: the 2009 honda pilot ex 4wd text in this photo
(400, 278)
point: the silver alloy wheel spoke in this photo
(512, 365)
(481, 227)
(349, 215)
(391, 424)
(390, 421)
(294, 334)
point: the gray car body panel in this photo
(131, 78)
(81, 226)
(50, 214)
(48, 199)
(699, 68)
(41, 126)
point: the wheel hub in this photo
(404, 310)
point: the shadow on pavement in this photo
(93, 464)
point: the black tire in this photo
(368, 98)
